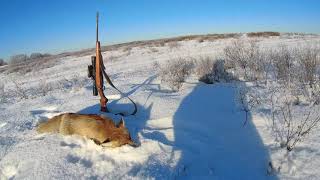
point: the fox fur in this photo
(100, 129)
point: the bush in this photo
(3, 96)
(44, 87)
(203, 69)
(153, 50)
(210, 71)
(263, 34)
(291, 124)
(255, 61)
(247, 56)
(283, 61)
(156, 65)
(173, 45)
(74, 83)
(37, 55)
(127, 50)
(31, 65)
(236, 54)
(20, 58)
(201, 40)
(2, 62)
(315, 94)
(219, 73)
(308, 59)
(20, 91)
(246, 100)
(174, 73)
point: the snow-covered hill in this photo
(195, 133)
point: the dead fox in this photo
(101, 130)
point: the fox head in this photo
(120, 136)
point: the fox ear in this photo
(121, 123)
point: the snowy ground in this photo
(194, 133)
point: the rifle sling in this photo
(122, 94)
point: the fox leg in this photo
(96, 141)
(111, 144)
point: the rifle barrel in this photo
(97, 28)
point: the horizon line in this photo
(70, 50)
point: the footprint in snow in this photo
(76, 159)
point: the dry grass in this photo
(45, 62)
(175, 72)
(263, 34)
(31, 65)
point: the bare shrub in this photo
(38, 55)
(19, 68)
(1, 88)
(283, 61)
(236, 54)
(44, 87)
(34, 65)
(210, 71)
(201, 40)
(219, 72)
(256, 60)
(156, 65)
(308, 57)
(20, 58)
(2, 62)
(174, 73)
(127, 49)
(35, 55)
(159, 43)
(42, 63)
(247, 56)
(111, 58)
(19, 90)
(246, 101)
(315, 94)
(263, 34)
(294, 130)
(265, 64)
(203, 69)
(291, 124)
(153, 50)
(162, 44)
(173, 45)
(74, 83)
(3, 94)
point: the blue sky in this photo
(58, 25)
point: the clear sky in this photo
(59, 25)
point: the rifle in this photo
(96, 71)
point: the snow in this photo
(196, 133)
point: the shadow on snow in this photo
(209, 138)
(213, 143)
